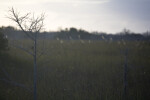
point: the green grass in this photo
(75, 70)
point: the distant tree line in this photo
(3, 48)
(3, 41)
(77, 34)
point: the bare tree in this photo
(31, 26)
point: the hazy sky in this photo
(92, 15)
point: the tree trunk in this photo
(35, 69)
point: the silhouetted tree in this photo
(73, 30)
(31, 26)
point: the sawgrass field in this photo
(78, 70)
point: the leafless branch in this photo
(24, 49)
(16, 84)
(29, 25)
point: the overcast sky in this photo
(92, 15)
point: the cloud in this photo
(101, 15)
(138, 9)
(78, 1)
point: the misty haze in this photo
(74, 50)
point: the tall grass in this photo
(80, 70)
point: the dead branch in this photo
(29, 25)
(24, 49)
